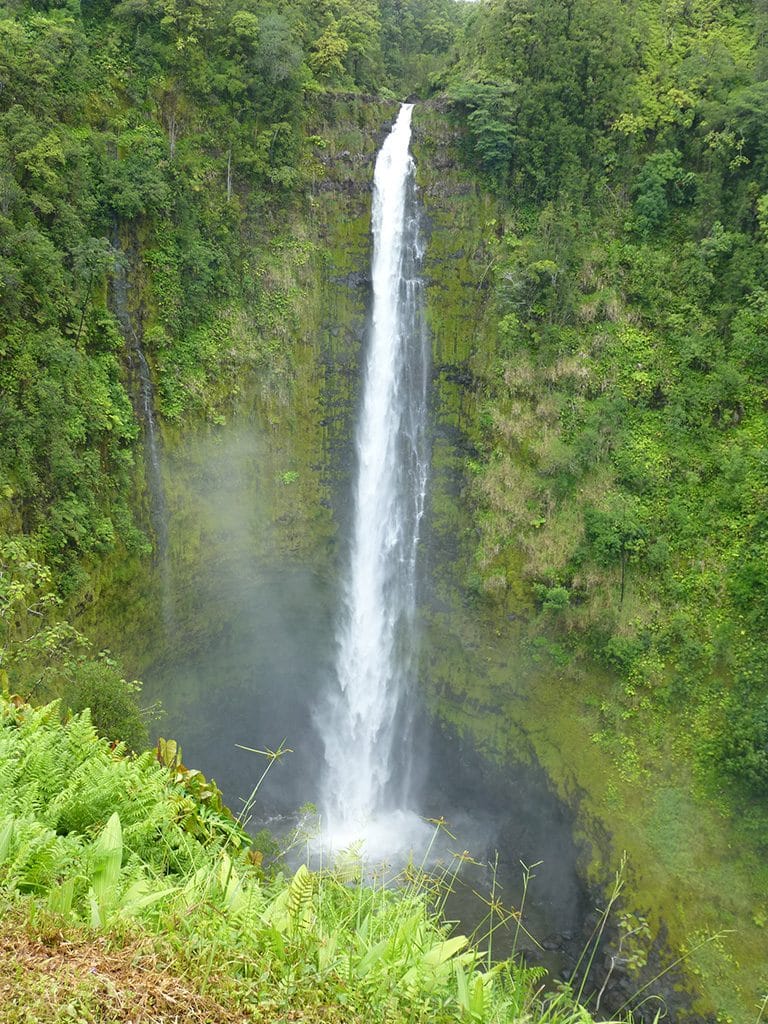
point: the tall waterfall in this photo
(366, 722)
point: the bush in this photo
(745, 744)
(99, 685)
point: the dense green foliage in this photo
(120, 844)
(625, 425)
(164, 139)
(43, 656)
(158, 158)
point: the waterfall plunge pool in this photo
(252, 681)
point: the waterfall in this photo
(366, 720)
(144, 404)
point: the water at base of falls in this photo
(390, 839)
(366, 719)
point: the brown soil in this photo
(57, 976)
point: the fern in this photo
(43, 770)
(36, 857)
(81, 739)
(8, 769)
(300, 897)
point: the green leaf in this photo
(300, 896)
(462, 986)
(443, 951)
(374, 955)
(434, 963)
(106, 860)
(6, 839)
(477, 1000)
(141, 895)
(61, 897)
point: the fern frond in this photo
(300, 894)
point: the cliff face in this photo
(494, 669)
(260, 478)
(261, 488)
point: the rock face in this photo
(280, 449)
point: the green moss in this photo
(688, 873)
(251, 474)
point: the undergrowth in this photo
(127, 895)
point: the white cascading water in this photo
(366, 720)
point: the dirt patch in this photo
(59, 977)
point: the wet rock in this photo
(355, 279)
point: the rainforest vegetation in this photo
(623, 437)
(618, 441)
(177, 136)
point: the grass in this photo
(57, 973)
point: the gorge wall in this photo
(263, 480)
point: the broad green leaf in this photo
(434, 965)
(477, 1002)
(443, 951)
(6, 839)
(276, 914)
(374, 955)
(141, 895)
(61, 896)
(462, 986)
(106, 860)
